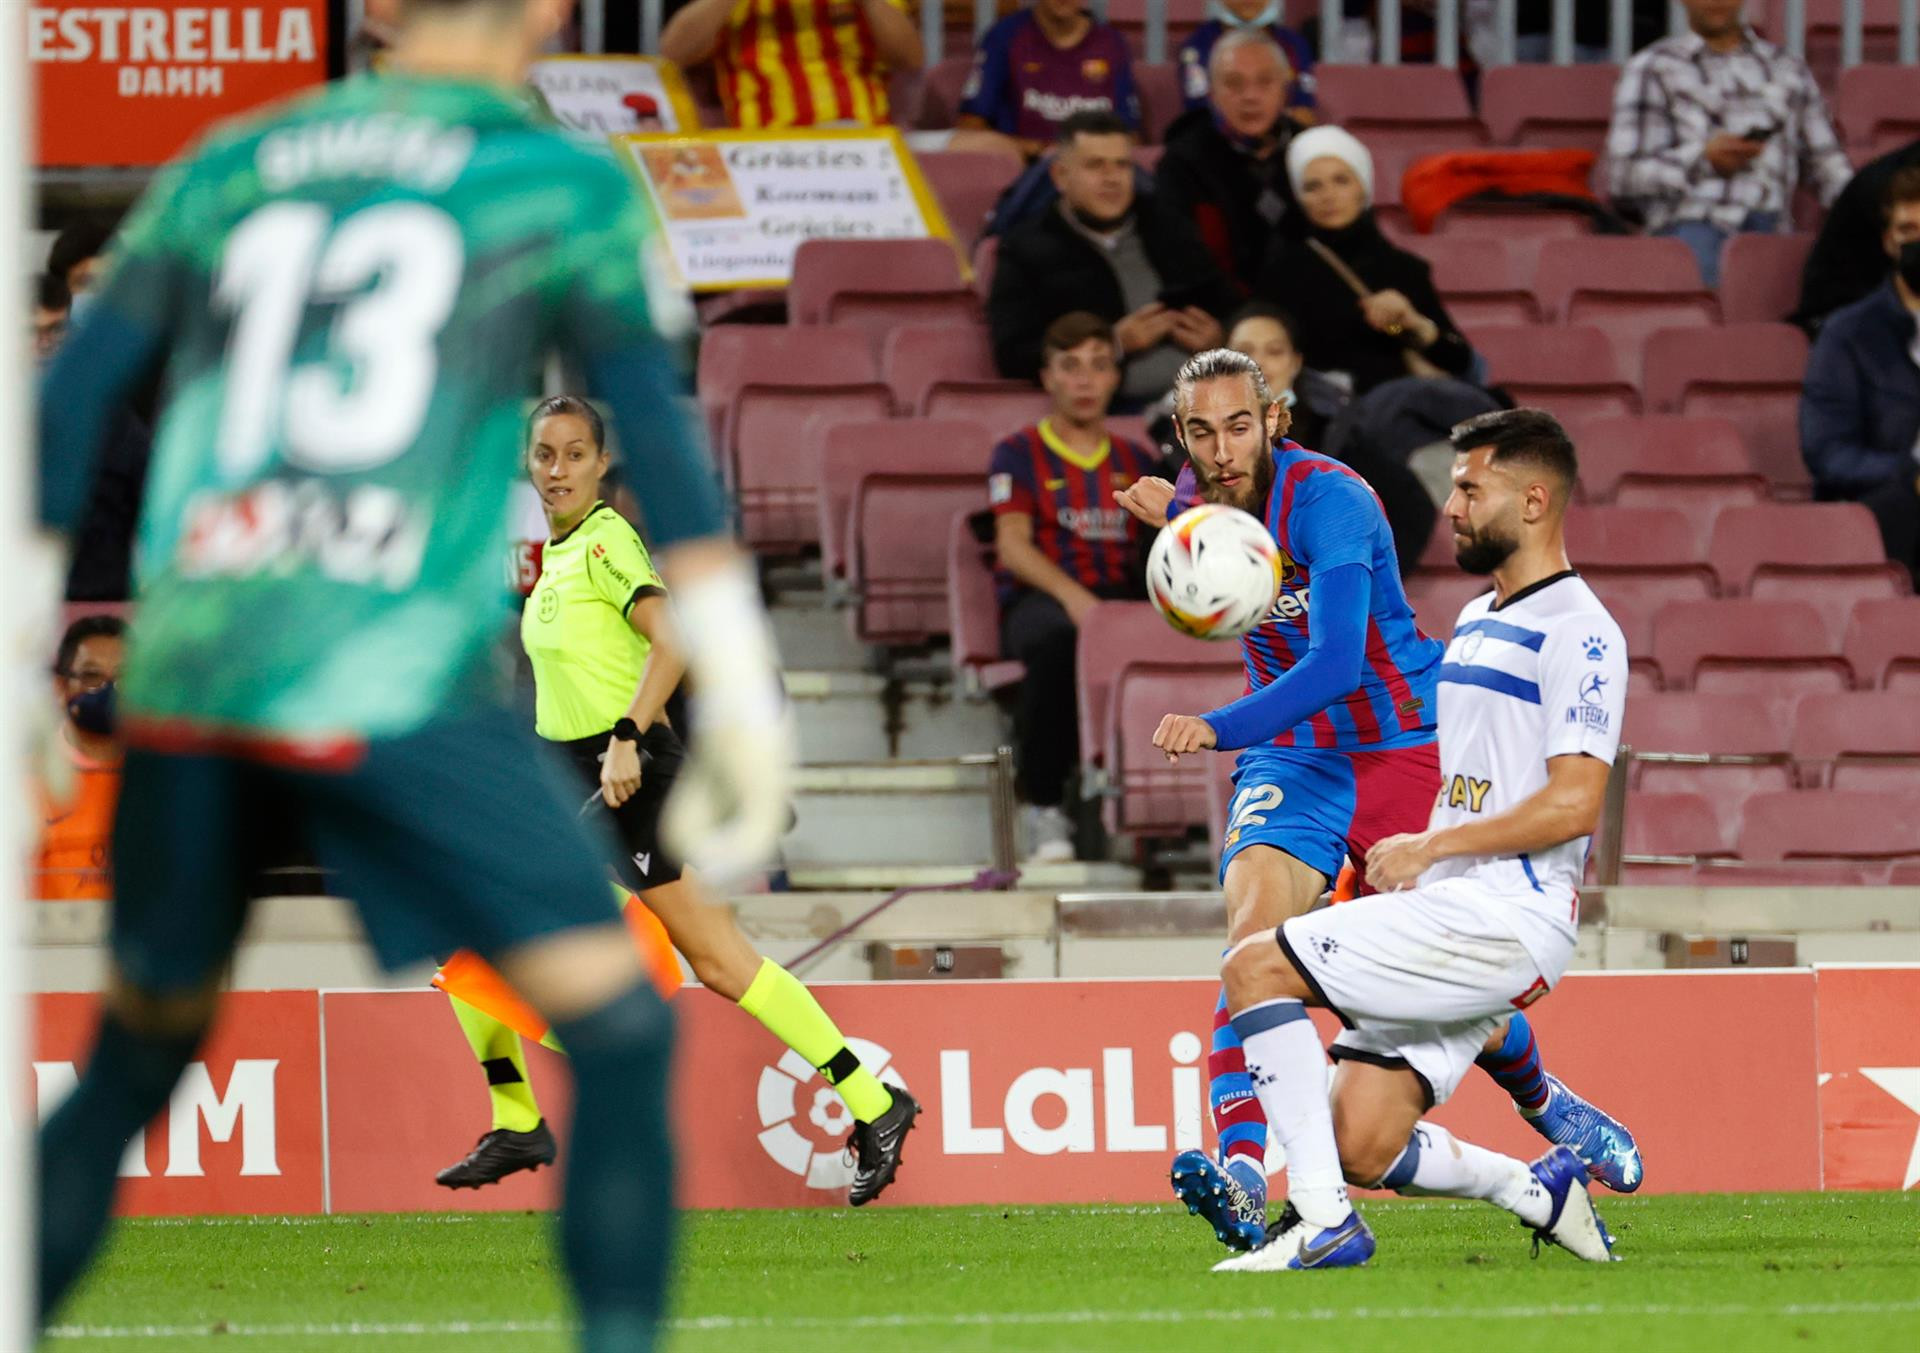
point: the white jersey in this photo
(1544, 675)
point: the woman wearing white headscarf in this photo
(1367, 307)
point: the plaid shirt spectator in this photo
(1678, 93)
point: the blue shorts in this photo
(1319, 805)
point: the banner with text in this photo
(1034, 1092)
(734, 205)
(133, 84)
(616, 95)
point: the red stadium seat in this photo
(851, 449)
(897, 539)
(1151, 796)
(1677, 826)
(1115, 634)
(1878, 108)
(1482, 279)
(1831, 824)
(916, 357)
(1548, 106)
(1694, 465)
(1883, 642)
(1438, 599)
(1822, 539)
(968, 183)
(825, 272)
(1760, 276)
(1724, 747)
(1568, 369)
(1515, 224)
(1421, 109)
(984, 254)
(1628, 287)
(1637, 560)
(940, 92)
(1859, 740)
(1749, 373)
(1004, 406)
(973, 612)
(1779, 650)
(1158, 83)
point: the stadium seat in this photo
(877, 285)
(1439, 597)
(1808, 539)
(897, 541)
(1004, 406)
(1779, 650)
(1130, 17)
(1858, 740)
(973, 612)
(1760, 276)
(968, 183)
(1694, 465)
(1880, 34)
(1632, 538)
(940, 88)
(1158, 84)
(1725, 747)
(1628, 287)
(1878, 108)
(1115, 634)
(1678, 826)
(916, 357)
(1883, 643)
(1437, 555)
(1748, 373)
(1482, 279)
(1420, 108)
(1515, 224)
(984, 254)
(1147, 795)
(1543, 106)
(1568, 369)
(850, 449)
(1831, 824)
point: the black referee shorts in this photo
(636, 823)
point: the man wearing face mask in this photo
(71, 862)
(1860, 409)
(1247, 16)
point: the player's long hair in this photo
(1215, 364)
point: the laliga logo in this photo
(796, 1151)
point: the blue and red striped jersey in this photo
(1069, 496)
(1324, 515)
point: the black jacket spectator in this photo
(1847, 261)
(1860, 411)
(1046, 269)
(1335, 335)
(1235, 198)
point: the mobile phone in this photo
(1179, 298)
(1759, 134)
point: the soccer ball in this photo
(1213, 572)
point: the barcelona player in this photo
(1338, 751)
(346, 295)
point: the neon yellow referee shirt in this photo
(586, 658)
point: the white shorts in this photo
(1420, 979)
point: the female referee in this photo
(597, 629)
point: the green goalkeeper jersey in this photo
(354, 295)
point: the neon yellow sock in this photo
(782, 1002)
(498, 1050)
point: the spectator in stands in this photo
(1714, 130)
(72, 860)
(1847, 261)
(79, 252)
(1271, 337)
(51, 302)
(1131, 260)
(1367, 308)
(1860, 410)
(1037, 68)
(1247, 16)
(1225, 165)
(1064, 544)
(798, 63)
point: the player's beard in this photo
(1485, 549)
(1250, 495)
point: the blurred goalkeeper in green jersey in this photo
(346, 298)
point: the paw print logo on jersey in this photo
(1596, 648)
(816, 1151)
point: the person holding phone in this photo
(1713, 131)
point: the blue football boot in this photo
(1293, 1244)
(1233, 1199)
(1574, 1226)
(1600, 1140)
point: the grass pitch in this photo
(1724, 1273)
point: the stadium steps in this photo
(846, 716)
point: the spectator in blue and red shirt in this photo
(1064, 544)
(1037, 68)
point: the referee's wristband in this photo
(626, 730)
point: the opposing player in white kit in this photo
(1477, 915)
